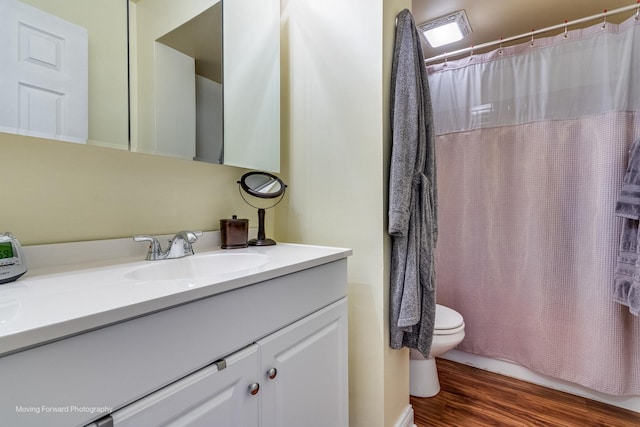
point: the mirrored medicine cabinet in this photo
(194, 79)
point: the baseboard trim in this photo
(406, 418)
(514, 370)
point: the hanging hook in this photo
(446, 58)
(566, 29)
(471, 54)
(638, 11)
(532, 42)
(604, 24)
(500, 51)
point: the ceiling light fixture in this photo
(446, 29)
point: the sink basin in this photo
(198, 266)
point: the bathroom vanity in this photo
(249, 337)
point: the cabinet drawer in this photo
(209, 397)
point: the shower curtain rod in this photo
(459, 52)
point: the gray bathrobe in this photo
(412, 195)
(627, 274)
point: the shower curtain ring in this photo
(471, 54)
(500, 51)
(533, 30)
(566, 30)
(638, 11)
(604, 23)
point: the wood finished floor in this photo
(471, 397)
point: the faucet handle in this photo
(189, 236)
(155, 250)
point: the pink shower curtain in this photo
(531, 151)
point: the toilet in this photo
(448, 333)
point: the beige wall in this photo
(60, 192)
(336, 61)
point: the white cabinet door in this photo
(208, 398)
(308, 363)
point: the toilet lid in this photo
(447, 318)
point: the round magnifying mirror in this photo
(262, 184)
(265, 186)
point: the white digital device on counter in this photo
(12, 262)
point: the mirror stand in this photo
(264, 186)
(262, 240)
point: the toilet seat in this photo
(448, 321)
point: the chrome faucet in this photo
(179, 246)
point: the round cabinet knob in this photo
(254, 388)
(272, 373)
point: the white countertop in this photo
(53, 302)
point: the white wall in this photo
(336, 61)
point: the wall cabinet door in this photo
(304, 373)
(210, 397)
